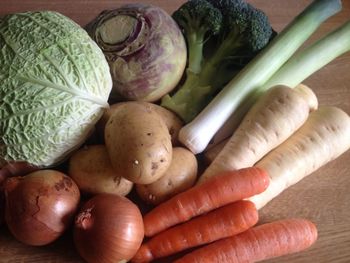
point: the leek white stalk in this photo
(197, 134)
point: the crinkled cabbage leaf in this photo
(54, 86)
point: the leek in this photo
(197, 134)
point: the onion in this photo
(9, 170)
(16, 169)
(108, 229)
(2, 207)
(40, 206)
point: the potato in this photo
(172, 121)
(138, 143)
(91, 169)
(180, 176)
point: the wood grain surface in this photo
(323, 197)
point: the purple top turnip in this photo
(145, 49)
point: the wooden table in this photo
(323, 197)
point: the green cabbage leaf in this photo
(54, 86)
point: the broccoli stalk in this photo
(198, 19)
(222, 36)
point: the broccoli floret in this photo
(199, 20)
(243, 24)
(245, 31)
(222, 36)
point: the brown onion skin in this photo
(16, 169)
(108, 229)
(9, 170)
(40, 206)
(2, 207)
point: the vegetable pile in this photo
(122, 167)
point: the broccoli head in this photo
(199, 20)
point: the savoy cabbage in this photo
(54, 86)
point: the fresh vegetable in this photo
(219, 191)
(55, 83)
(11, 170)
(16, 169)
(215, 147)
(180, 176)
(199, 132)
(91, 169)
(138, 143)
(235, 119)
(323, 137)
(172, 121)
(2, 207)
(262, 242)
(306, 62)
(220, 223)
(211, 153)
(275, 117)
(40, 206)
(108, 229)
(145, 50)
(222, 36)
(301, 65)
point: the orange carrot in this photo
(221, 190)
(259, 243)
(223, 222)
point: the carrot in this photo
(222, 190)
(324, 136)
(223, 222)
(275, 116)
(259, 243)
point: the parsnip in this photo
(324, 136)
(213, 150)
(211, 153)
(275, 116)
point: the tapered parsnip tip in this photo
(308, 94)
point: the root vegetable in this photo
(40, 206)
(180, 176)
(172, 121)
(211, 153)
(216, 192)
(276, 116)
(259, 243)
(138, 143)
(91, 169)
(16, 169)
(323, 137)
(223, 222)
(144, 47)
(108, 229)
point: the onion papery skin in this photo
(148, 60)
(108, 229)
(40, 206)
